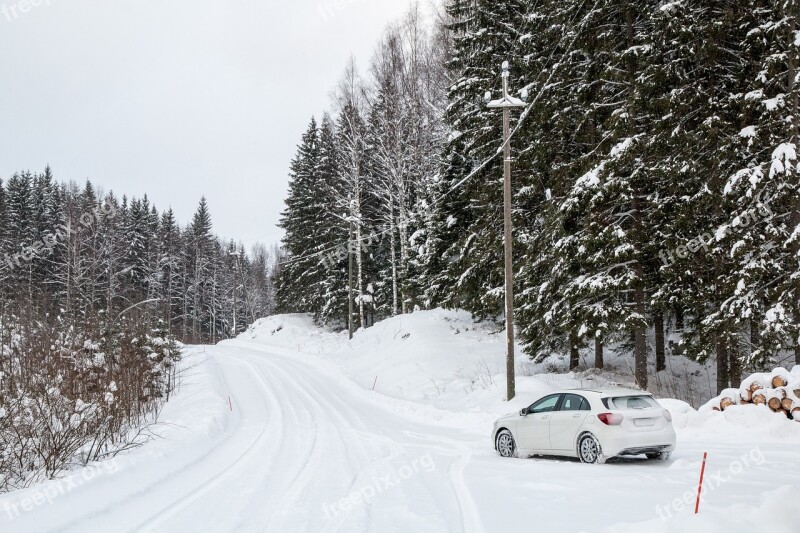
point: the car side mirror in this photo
(523, 411)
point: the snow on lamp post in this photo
(506, 103)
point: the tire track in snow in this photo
(180, 504)
(302, 372)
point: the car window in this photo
(573, 402)
(545, 405)
(627, 403)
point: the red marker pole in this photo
(700, 488)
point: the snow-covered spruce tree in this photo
(138, 260)
(611, 203)
(45, 205)
(20, 232)
(586, 114)
(563, 130)
(201, 255)
(698, 143)
(170, 268)
(333, 237)
(469, 229)
(298, 285)
(763, 236)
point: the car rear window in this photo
(628, 403)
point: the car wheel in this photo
(589, 450)
(662, 456)
(505, 444)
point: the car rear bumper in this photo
(647, 449)
(635, 444)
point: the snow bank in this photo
(294, 332)
(439, 358)
(191, 423)
(771, 513)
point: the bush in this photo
(69, 397)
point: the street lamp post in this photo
(506, 103)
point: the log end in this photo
(779, 381)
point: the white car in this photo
(593, 425)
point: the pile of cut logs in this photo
(779, 390)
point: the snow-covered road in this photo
(301, 445)
(304, 449)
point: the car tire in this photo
(505, 444)
(589, 450)
(661, 456)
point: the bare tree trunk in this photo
(574, 353)
(598, 353)
(640, 345)
(640, 332)
(723, 368)
(661, 352)
(735, 369)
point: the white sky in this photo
(176, 98)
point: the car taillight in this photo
(668, 415)
(610, 419)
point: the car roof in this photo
(609, 391)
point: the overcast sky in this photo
(176, 98)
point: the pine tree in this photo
(201, 251)
(333, 236)
(296, 291)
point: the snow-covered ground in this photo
(281, 430)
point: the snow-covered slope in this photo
(440, 358)
(281, 431)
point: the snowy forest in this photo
(655, 180)
(96, 293)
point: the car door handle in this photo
(545, 417)
(576, 416)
